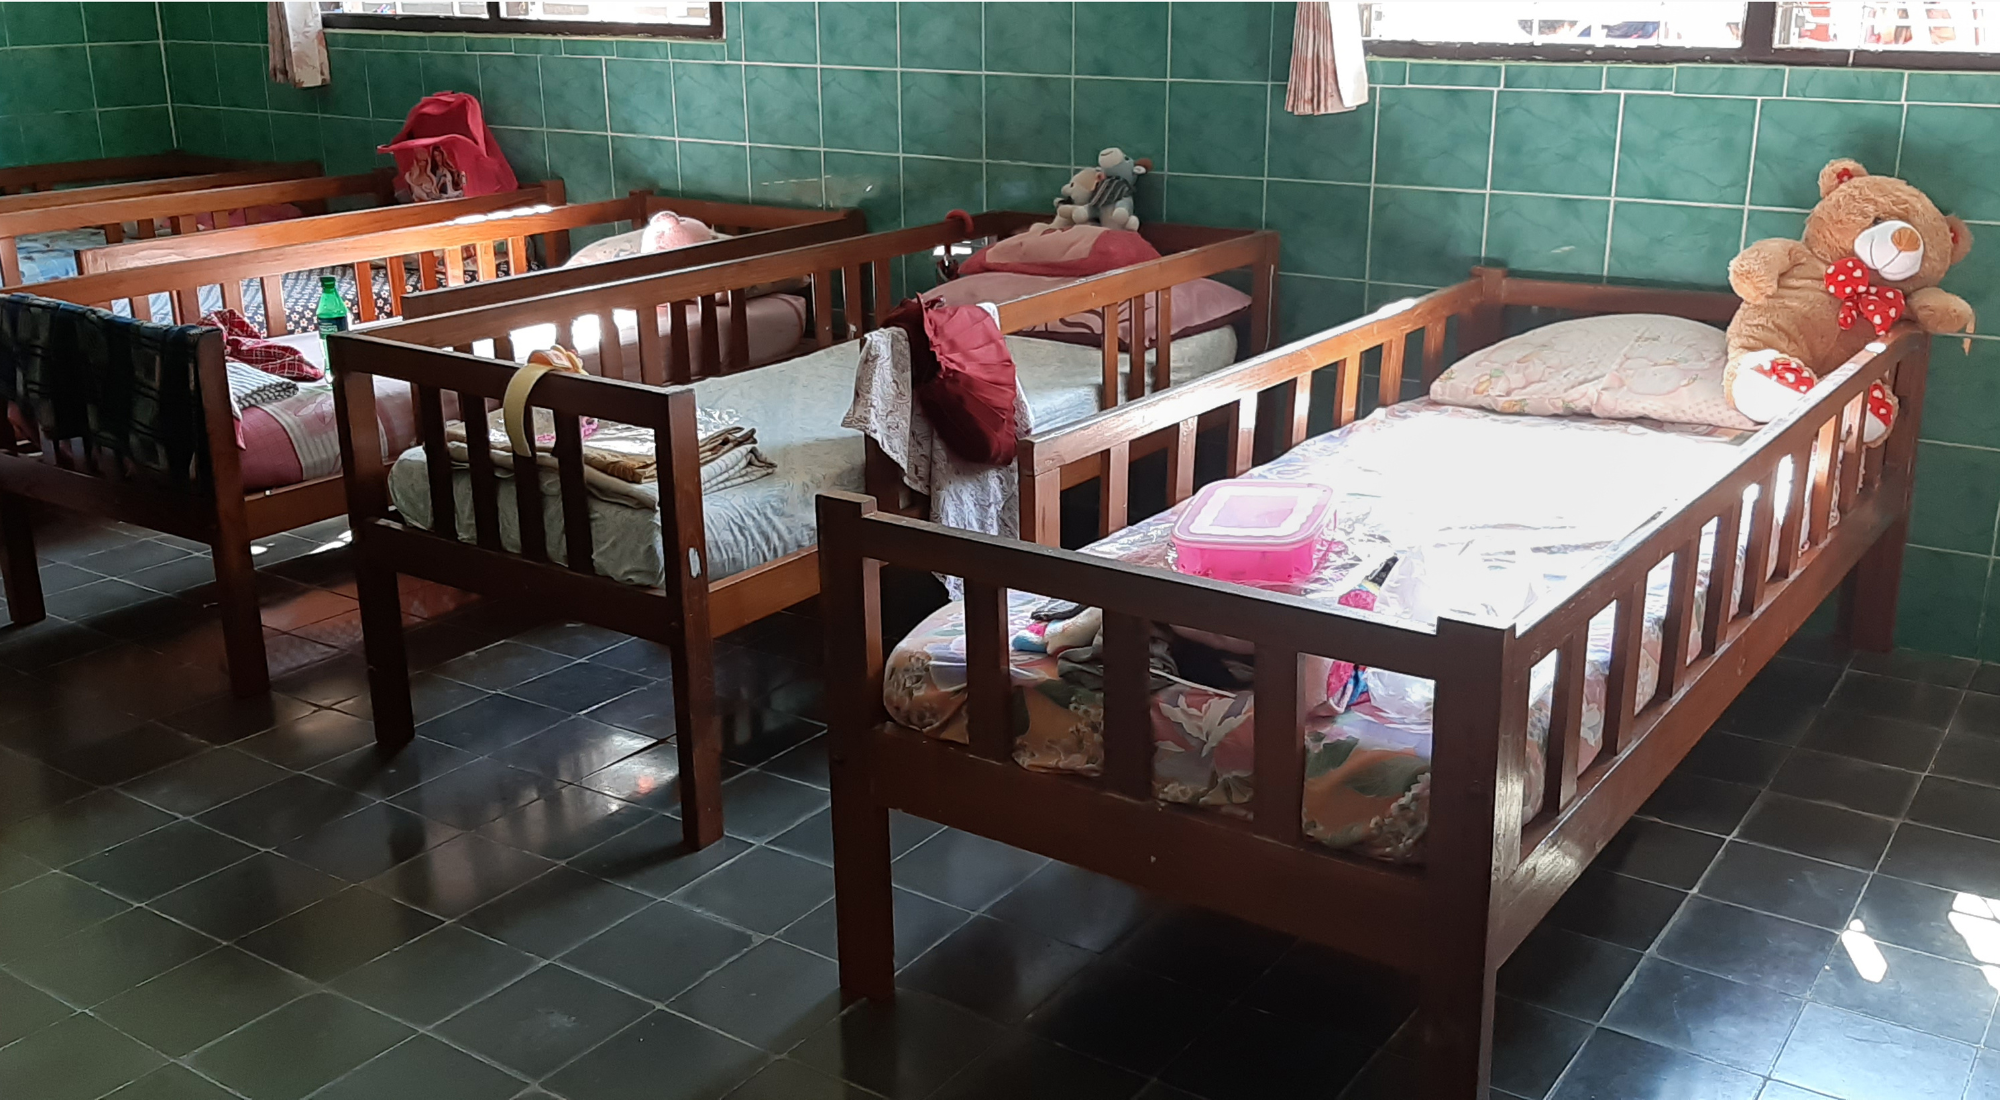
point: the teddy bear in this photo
(1872, 253)
(1104, 193)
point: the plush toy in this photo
(1103, 194)
(1873, 252)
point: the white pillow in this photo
(1618, 367)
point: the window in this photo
(676, 20)
(1699, 23)
(1941, 25)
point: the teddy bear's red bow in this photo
(1848, 281)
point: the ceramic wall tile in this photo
(859, 109)
(1557, 143)
(1688, 149)
(1433, 137)
(1548, 235)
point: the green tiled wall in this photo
(81, 80)
(1591, 171)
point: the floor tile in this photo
(577, 640)
(578, 687)
(459, 875)
(1734, 759)
(299, 1048)
(647, 712)
(1023, 1065)
(753, 734)
(813, 837)
(424, 1069)
(1909, 664)
(79, 1058)
(649, 778)
(1531, 1047)
(806, 763)
(25, 1009)
(247, 895)
(568, 823)
(171, 1082)
(285, 810)
(999, 970)
(1204, 949)
(29, 787)
(111, 956)
(1818, 830)
(706, 1063)
(1925, 918)
(475, 794)
(228, 720)
(372, 771)
(1571, 973)
(1958, 806)
(771, 996)
(1612, 1064)
(127, 755)
(205, 781)
(1929, 704)
(1969, 757)
(331, 937)
(921, 923)
(1249, 1055)
(1698, 802)
(1889, 983)
(543, 1020)
(310, 740)
(968, 871)
(1322, 986)
(904, 1049)
(1611, 907)
(1949, 860)
(1772, 881)
(573, 748)
(435, 975)
(83, 827)
(1844, 781)
(1756, 948)
(785, 1079)
(1724, 1021)
(491, 723)
(1876, 738)
(625, 954)
(1855, 1058)
(764, 890)
(153, 864)
(1073, 905)
(758, 806)
(45, 909)
(1658, 852)
(1126, 1017)
(501, 666)
(367, 842)
(653, 858)
(201, 1000)
(555, 912)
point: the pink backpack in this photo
(445, 150)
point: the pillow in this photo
(1075, 251)
(1199, 305)
(1617, 367)
(665, 232)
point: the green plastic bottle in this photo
(332, 311)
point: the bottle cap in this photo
(326, 284)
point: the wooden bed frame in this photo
(77, 173)
(51, 472)
(177, 211)
(689, 610)
(1487, 880)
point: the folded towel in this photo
(619, 463)
(250, 387)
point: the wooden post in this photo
(697, 735)
(851, 594)
(229, 537)
(375, 586)
(1868, 599)
(18, 572)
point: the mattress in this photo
(1482, 513)
(298, 439)
(775, 324)
(796, 408)
(52, 255)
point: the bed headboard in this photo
(43, 177)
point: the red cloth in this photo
(964, 378)
(242, 342)
(1848, 280)
(1072, 251)
(446, 150)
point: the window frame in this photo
(495, 23)
(1760, 25)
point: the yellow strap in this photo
(514, 407)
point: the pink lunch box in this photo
(1255, 532)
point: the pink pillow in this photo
(1199, 306)
(1075, 251)
(667, 231)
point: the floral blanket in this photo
(1455, 510)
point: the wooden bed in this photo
(230, 518)
(849, 292)
(81, 173)
(1487, 879)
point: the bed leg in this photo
(1456, 1015)
(20, 575)
(388, 663)
(242, 626)
(698, 741)
(1868, 599)
(863, 900)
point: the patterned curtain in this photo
(1329, 73)
(298, 45)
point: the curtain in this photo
(1329, 72)
(298, 45)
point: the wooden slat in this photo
(1391, 389)
(680, 363)
(853, 303)
(1298, 410)
(653, 364)
(364, 290)
(517, 256)
(1348, 406)
(1621, 686)
(427, 270)
(1112, 488)
(1564, 748)
(1135, 349)
(822, 304)
(1674, 627)
(1128, 725)
(1851, 458)
(1717, 605)
(1163, 369)
(503, 348)
(1240, 436)
(396, 269)
(1792, 523)
(275, 323)
(610, 347)
(437, 461)
(1757, 548)
(575, 497)
(1433, 351)
(232, 294)
(1280, 751)
(739, 329)
(1180, 461)
(479, 463)
(454, 265)
(989, 689)
(1819, 514)
(1108, 356)
(488, 265)
(528, 504)
(711, 339)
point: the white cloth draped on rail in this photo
(1329, 70)
(298, 45)
(966, 495)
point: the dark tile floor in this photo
(201, 898)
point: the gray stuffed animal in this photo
(1104, 194)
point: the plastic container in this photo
(1255, 532)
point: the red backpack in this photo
(445, 150)
(964, 377)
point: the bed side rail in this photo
(1839, 499)
(178, 210)
(449, 252)
(350, 223)
(792, 231)
(153, 166)
(748, 217)
(38, 200)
